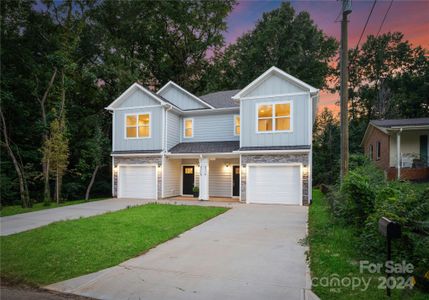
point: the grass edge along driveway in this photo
(334, 250)
(68, 249)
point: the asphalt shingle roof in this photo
(206, 147)
(296, 147)
(221, 99)
(136, 152)
(400, 122)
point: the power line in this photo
(384, 19)
(366, 23)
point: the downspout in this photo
(164, 150)
(398, 153)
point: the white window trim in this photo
(239, 124)
(137, 114)
(184, 128)
(273, 117)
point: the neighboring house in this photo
(253, 144)
(399, 147)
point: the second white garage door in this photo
(137, 182)
(274, 184)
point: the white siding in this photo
(220, 177)
(180, 99)
(410, 144)
(173, 130)
(172, 182)
(212, 128)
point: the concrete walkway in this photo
(249, 252)
(23, 222)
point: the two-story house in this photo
(253, 144)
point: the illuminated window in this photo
(274, 117)
(137, 126)
(189, 170)
(189, 128)
(236, 125)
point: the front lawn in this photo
(334, 253)
(11, 210)
(68, 249)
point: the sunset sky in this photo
(408, 17)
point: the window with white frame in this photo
(378, 150)
(236, 124)
(188, 125)
(370, 152)
(137, 126)
(274, 117)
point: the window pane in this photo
(237, 130)
(144, 131)
(189, 170)
(131, 132)
(265, 111)
(237, 121)
(131, 120)
(265, 125)
(282, 110)
(144, 119)
(282, 124)
(188, 123)
(188, 132)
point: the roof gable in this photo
(278, 82)
(136, 95)
(181, 97)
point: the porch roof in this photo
(206, 147)
(392, 123)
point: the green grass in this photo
(334, 250)
(11, 210)
(68, 249)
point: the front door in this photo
(424, 148)
(188, 180)
(236, 181)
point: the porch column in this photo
(398, 154)
(204, 179)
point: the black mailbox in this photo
(389, 229)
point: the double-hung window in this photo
(274, 117)
(378, 150)
(236, 124)
(188, 127)
(370, 152)
(137, 126)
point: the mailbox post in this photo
(391, 230)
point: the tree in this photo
(281, 38)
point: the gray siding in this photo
(152, 143)
(181, 99)
(173, 130)
(274, 85)
(138, 98)
(300, 123)
(172, 173)
(211, 128)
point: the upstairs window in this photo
(236, 125)
(274, 117)
(188, 128)
(137, 126)
(378, 150)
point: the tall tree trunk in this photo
(23, 187)
(45, 162)
(57, 187)
(88, 190)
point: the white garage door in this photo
(274, 184)
(137, 182)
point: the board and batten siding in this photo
(211, 128)
(300, 134)
(172, 177)
(173, 130)
(121, 143)
(180, 99)
(274, 85)
(220, 177)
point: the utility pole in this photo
(344, 93)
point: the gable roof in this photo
(134, 87)
(221, 99)
(282, 74)
(175, 85)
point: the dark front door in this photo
(424, 148)
(236, 181)
(188, 179)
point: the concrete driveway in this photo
(249, 252)
(22, 222)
